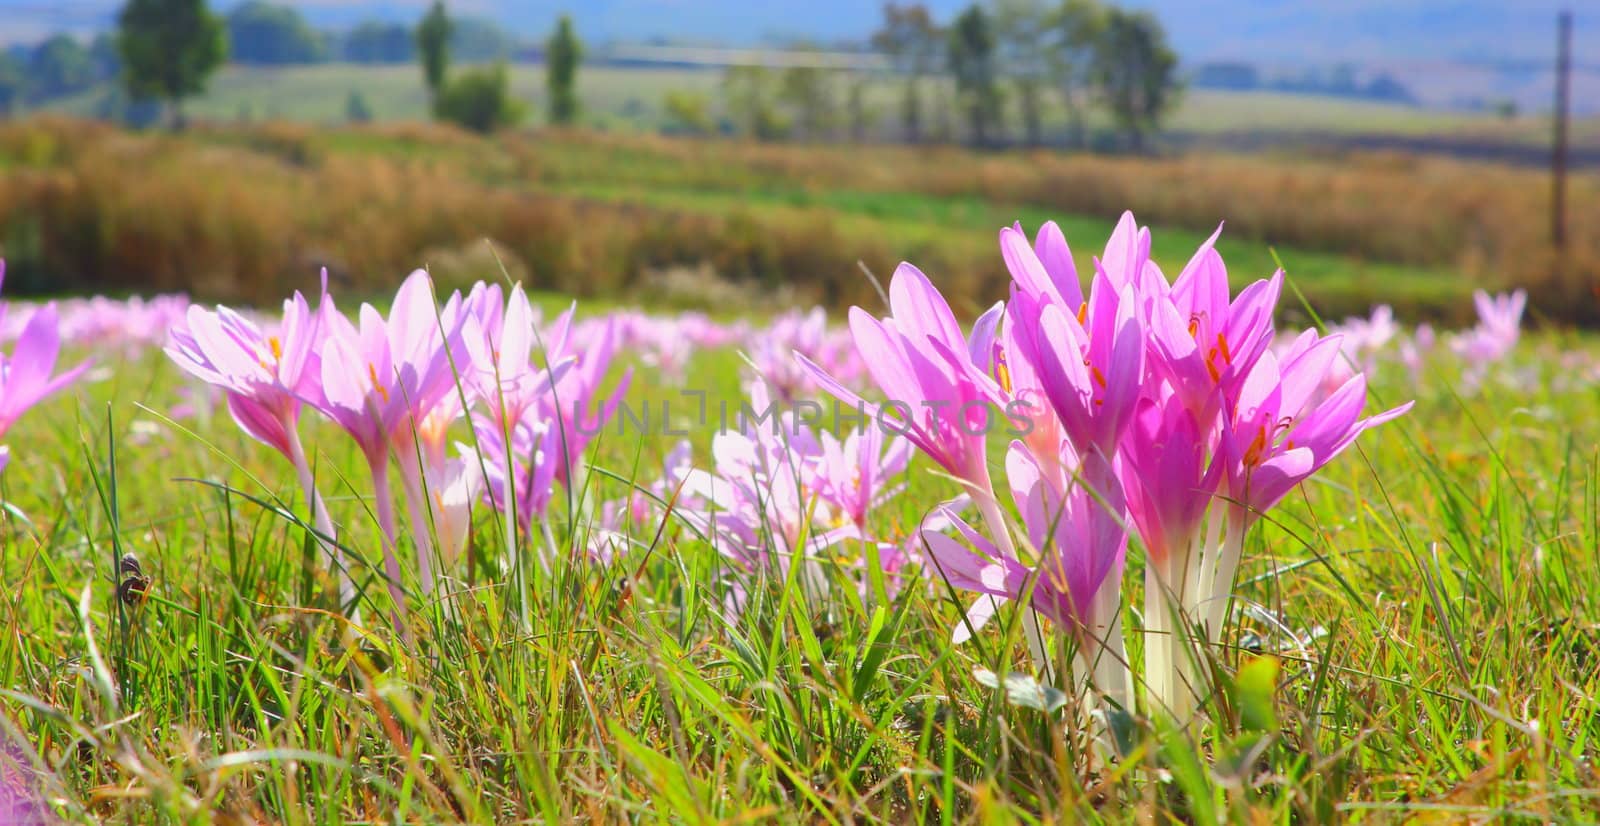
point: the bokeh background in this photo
(736, 156)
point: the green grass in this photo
(912, 221)
(1449, 562)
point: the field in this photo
(474, 554)
(630, 99)
(249, 212)
(1414, 635)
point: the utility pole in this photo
(1558, 158)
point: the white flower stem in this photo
(411, 483)
(989, 507)
(320, 520)
(391, 563)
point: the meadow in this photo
(242, 212)
(1413, 630)
(630, 99)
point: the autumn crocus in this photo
(25, 374)
(1076, 547)
(380, 378)
(937, 396)
(264, 377)
(1202, 342)
(1279, 434)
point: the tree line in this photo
(988, 76)
(990, 72)
(165, 51)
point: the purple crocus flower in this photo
(937, 396)
(25, 374)
(382, 378)
(264, 377)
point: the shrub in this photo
(480, 100)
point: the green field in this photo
(1440, 580)
(630, 98)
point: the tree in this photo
(687, 113)
(1137, 72)
(1075, 27)
(862, 114)
(13, 84)
(169, 48)
(561, 55)
(972, 63)
(103, 57)
(356, 109)
(747, 96)
(59, 66)
(808, 93)
(376, 42)
(1023, 28)
(479, 99)
(433, 46)
(911, 41)
(268, 34)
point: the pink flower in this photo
(264, 375)
(919, 358)
(1202, 344)
(378, 379)
(1077, 541)
(1279, 433)
(25, 378)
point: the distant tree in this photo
(748, 98)
(267, 34)
(687, 113)
(59, 66)
(474, 39)
(1240, 77)
(169, 48)
(104, 58)
(1075, 28)
(377, 42)
(1386, 88)
(862, 114)
(433, 46)
(971, 59)
(356, 109)
(912, 42)
(13, 84)
(479, 99)
(1023, 29)
(808, 92)
(562, 52)
(1137, 72)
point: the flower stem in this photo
(320, 520)
(989, 507)
(391, 563)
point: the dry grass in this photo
(242, 213)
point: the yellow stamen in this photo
(1002, 371)
(1252, 454)
(277, 347)
(1083, 313)
(372, 370)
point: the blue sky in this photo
(1271, 31)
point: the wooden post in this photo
(1558, 157)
